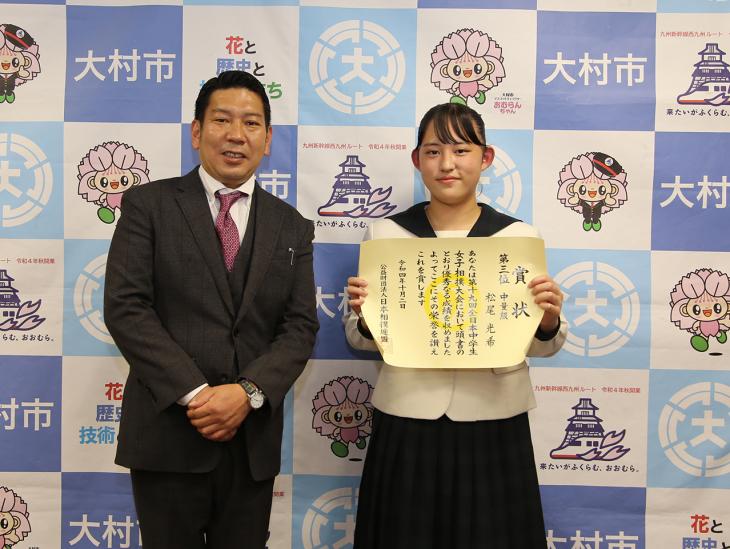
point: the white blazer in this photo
(461, 394)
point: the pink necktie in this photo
(226, 228)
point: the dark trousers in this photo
(222, 509)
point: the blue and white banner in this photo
(610, 121)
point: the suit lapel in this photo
(194, 205)
(267, 228)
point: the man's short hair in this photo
(231, 79)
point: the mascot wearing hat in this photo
(18, 60)
(592, 184)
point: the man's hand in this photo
(549, 298)
(217, 412)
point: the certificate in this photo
(452, 302)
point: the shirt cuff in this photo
(185, 399)
(547, 336)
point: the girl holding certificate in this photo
(450, 463)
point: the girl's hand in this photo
(549, 298)
(357, 290)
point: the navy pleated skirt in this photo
(443, 484)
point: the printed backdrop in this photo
(610, 120)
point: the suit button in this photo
(224, 378)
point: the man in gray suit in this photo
(209, 295)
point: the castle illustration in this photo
(352, 194)
(14, 313)
(9, 299)
(585, 438)
(710, 79)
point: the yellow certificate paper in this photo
(452, 302)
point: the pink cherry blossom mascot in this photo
(592, 184)
(342, 412)
(106, 172)
(14, 524)
(467, 63)
(701, 305)
(18, 60)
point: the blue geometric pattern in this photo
(654, 73)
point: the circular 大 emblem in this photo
(357, 67)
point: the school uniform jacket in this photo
(461, 394)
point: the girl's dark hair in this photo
(463, 121)
(231, 79)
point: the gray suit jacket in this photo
(169, 308)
